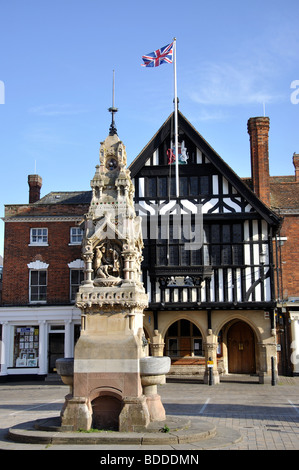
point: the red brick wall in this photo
(289, 257)
(17, 254)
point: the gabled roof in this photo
(213, 157)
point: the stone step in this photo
(180, 431)
(174, 430)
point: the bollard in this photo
(211, 375)
(273, 380)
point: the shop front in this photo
(33, 338)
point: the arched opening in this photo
(183, 340)
(241, 349)
(105, 412)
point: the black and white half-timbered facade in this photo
(208, 261)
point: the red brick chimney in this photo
(296, 165)
(258, 130)
(35, 184)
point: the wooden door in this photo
(185, 347)
(241, 351)
(56, 349)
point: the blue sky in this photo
(56, 63)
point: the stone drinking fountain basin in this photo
(65, 368)
(154, 365)
(149, 366)
(152, 373)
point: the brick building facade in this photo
(42, 272)
(252, 288)
(284, 191)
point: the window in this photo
(184, 339)
(38, 236)
(172, 346)
(173, 249)
(38, 286)
(151, 187)
(226, 244)
(76, 277)
(26, 346)
(76, 235)
(162, 186)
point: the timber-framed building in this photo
(211, 288)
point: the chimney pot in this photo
(35, 184)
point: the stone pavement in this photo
(265, 417)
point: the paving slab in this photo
(246, 415)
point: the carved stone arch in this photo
(234, 317)
(187, 339)
(106, 403)
(183, 317)
(237, 329)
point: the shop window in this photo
(26, 346)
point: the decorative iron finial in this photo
(113, 110)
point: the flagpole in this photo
(176, 120)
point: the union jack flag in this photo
(158, 57)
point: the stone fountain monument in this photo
(113, 381)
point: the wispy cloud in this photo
(56, 110)
(209, 113)
(228, 84)
(47, 135)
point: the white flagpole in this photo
(176, 121)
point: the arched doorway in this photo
(241, 349)
(183, 340)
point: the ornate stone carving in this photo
(112, 244)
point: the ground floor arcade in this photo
(239, 342)
(232, 341)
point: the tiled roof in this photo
(60, 197)
(284, 192)
(284, 195)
